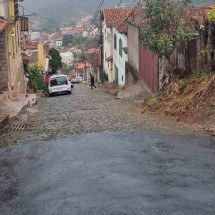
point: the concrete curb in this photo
(13, 108)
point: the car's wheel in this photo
(70, 92)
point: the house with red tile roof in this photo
(82, 69)
(114, 23)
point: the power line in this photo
(129, 14)
(36, 14)
(98, 9)
(120, 2)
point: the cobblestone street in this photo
(86, 111)
(90, 154)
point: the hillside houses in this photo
(83, 28)
(127, 61)
(67, 57)
(34, 53)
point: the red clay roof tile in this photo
(118, 17)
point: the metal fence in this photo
(149, 69)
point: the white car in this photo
(77, 80)
(59, 84)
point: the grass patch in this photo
(197, 74)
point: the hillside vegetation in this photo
(59, 10)
(65, 12)
(191, 100)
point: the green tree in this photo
(67, 39)
(165, 25)
(35, 75)
(56, 60)
(81, 57)
(207, 33)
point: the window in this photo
(115, 42)
(120, 47)
(58, 81)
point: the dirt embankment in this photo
(190, 100)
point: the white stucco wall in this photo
(35, 35)
(117, 59)
(67, 58)
(59, 43)
(107, 50)
(85, 34)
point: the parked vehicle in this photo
(77, 80)
(59, 84)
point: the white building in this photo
(67, 58)
(58, 43)
(108, 51)
(85, 34)
(119, 57)
(35, 35)
(114, 36)
(94, 32)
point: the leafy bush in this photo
(35, 75)
(196, 74)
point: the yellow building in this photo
(15, 76)
(42, 56)
(38, 55)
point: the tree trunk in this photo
(164, 78)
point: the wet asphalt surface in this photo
(122, 173)
(67, 163)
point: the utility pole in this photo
(102, 55)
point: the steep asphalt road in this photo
(110, 173)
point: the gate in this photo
(149, 68)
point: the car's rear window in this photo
(58, 81)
